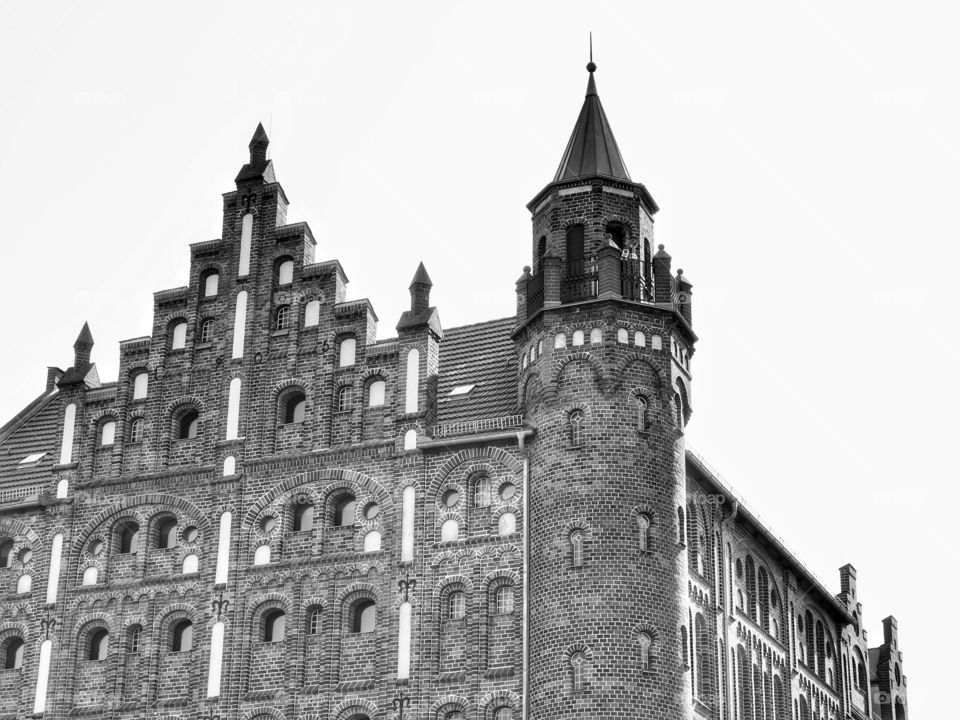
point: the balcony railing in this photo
(580, 280)
(636, 281)
(474, 427)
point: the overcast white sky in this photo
(805, 162)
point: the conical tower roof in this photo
(592, 149)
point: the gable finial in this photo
(591, 66)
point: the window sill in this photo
(204, 346)
(280, 333)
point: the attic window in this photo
(31, 458)
(461, 390)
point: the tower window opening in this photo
(129, 537)
(13, 654)
(206, 331)
(274, 626)
(181, 639)
(98, 644)
(136, 430)
(284, 318)
(294, 407)
(303, 517)
(345, 511)
(345, 398)
(364, 617)
(167, 533)
(457, 604)
(504, 600)
(576, 421)
(188, 425)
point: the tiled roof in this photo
(36, 430)
(482, 355)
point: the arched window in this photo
(97, 644)
(578, 337)
(311, 314)
(314, 619)
(643, 527)
(763, 598)
(743, 685)
(684, 647)
(211, 284)
(821, 651)
(178, 335)
(6, 553)
(206, 330)
(261, 555)
(648, 267)
(681, 527)
(188, 425)
(129, 537)
(108, 432)
(372, 541)
(457, 605)
(560, 341)
(345, 398)
(294, 407)
(412, 399)
(701, 639)
(504, 599)
(623, 337)
(285, 272)
(13, 654)
(541, 251)
(283, 318)
(642, 423)
(576, 548)
(141, 382)
(167, 533)
(90, 576)
(348, 351)
(344, 511)
(410, 439)
(644, 641)
(134, 639)
(678, 408)
(596, 336)
(303, 517)
(576, 421)
(577, 667)
(751, 594)
(574, 250)
(364, 617)
(190, 564)
(376, 394)
(481, 491)
(136, 430)
(274, 626)
(808, 636)
(507, 524)
(450, 530)
(181, 638)
(504, 713)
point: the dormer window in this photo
(31, 459)
(461, 390)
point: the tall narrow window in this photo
(457, 605)
(574, 250)
(701, 640)
(181, 639)
(450, 531)
(285, 272)
(644, 641)
(577, 663)
(541, 251)
(313, 621)
(684, 647)
(681, 526)
(413, 381)
(642, 414)
(13, 654)
(303, 517)
(211, 284)
(140, 383)
(643, 528)
(178, 335)
(274, 626)
(576, 548)
(576, 421)
(206, 330)
(167, 533)
(98, 642)
(239, 324)
(751, 595)
(108, 433)
(348, 352)
(295, 407)
(345, 509)
(311, 314)
(345, 398)
(376, 393)
(507, 524)
(481, 491)
(129, 537)
(283, 318)
(134, 637)
(6, 553)
(136, 430)
(246, 235)
(364, 617)
(188, 425)
(504, 599)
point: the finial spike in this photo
(591, 66)
(591, 47)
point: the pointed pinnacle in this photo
(260, 136)
(85, 337)
(421, 277)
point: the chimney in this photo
(53, 375)
(848, 581)
(890, 631)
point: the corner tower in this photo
(604, 336)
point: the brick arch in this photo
(577, 524)
(496, 700)
(14, 629)
(451, 703)
(638, 356)
(498, 575)
(347, 708)
(493, 454)
(170, 614)
(443, 584)
(449, 555)
(561, 364)
(579, 220)
(577, 648)
(533, 378)
(111, 412)
(332, 480)
(379, 373)
(13, 528)
(648, 630)
(98, 618)
(285, 386)
(162, 501)
(351, 594)
(268, 712)
(606, 220)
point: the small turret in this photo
(258, 145)
(83, 371)
(83, 347)
(420, 290)
(259, 168)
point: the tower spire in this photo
(592, 149)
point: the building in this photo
(272, 513)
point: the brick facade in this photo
(544, 548)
